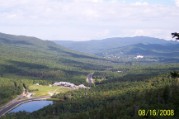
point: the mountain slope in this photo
(96, 46)
(136, 87)
(25, 61)
(32, 57)
(126, 49)
(171, 50)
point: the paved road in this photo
(14, 104)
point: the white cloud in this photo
(141, 3)
(87, 19)
(177, 3)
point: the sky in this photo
(81, 20)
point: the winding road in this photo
(8, 107)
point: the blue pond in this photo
(32, 106)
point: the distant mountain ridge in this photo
(167, 50)
(125, 49)
(96, 46)
(68, 52)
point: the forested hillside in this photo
(28, 59)
(127, 48)
(98, 46)
(151, 52)
(122, 89)
(121, 97)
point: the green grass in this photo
(41, 90)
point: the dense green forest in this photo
(30, 60)
(120, 91)
(115, 99)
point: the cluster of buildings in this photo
(68, 84)
(65, 84)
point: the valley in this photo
(119, 81)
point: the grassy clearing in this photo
(41, 90)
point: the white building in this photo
(119, 71)
(139, 57)
(66, 84)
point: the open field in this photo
(40, 90)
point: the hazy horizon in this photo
(171, 39)
(81, 20)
